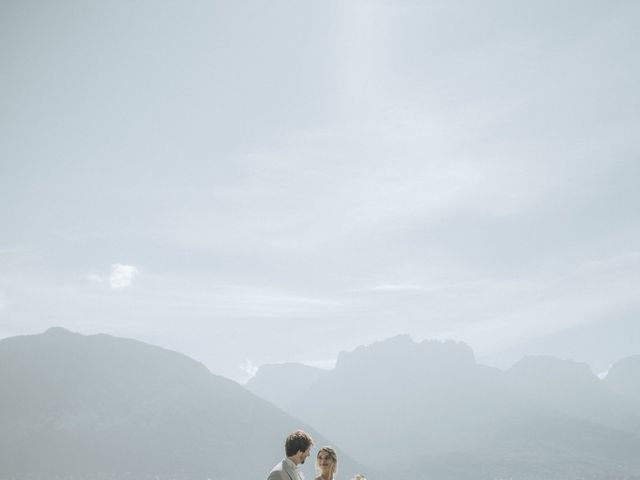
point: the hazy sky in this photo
(258, 182)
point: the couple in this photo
(297, 448)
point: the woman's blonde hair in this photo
(334, 457)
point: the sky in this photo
(261, 182)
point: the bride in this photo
(326, 463)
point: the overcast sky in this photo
(258, 182)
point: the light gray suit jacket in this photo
(283, 471)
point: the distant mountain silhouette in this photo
(99, 406)
(624, 378)
(621, 331)
(428, 410)
(280, 383)
(570, 388)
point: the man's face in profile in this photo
(304, 455)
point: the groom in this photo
(297, 448)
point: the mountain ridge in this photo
(77, 406)
(432, 400)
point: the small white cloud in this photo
(122, 275)
(249, 368)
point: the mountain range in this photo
(429, 410)
(87, 407)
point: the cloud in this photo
(122, 275)
(249, 368)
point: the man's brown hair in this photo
(297, 441)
